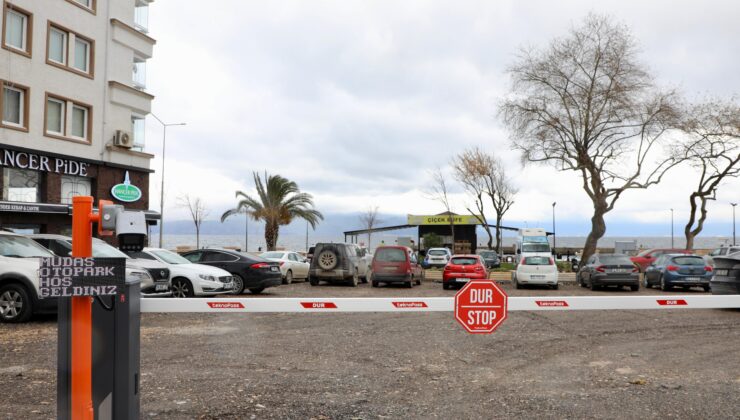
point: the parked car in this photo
(249, 271)
(726, 280)
(682, 270)
(156, 284)
(396, 264)
(648, 256)
(338, 263)
(721, 252)
(189, 279)
(437, 257)
(603, 270)
(292, 265)
(490, 258)
(19, 279)
(463, 268)
(537, 270)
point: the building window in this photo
(79, 121)
(88, 5)
(139, 130)
(14, 104)
(75, 185)
(70, 51)
(55, 116)
(139, 74)
(68, 119)
(141, 16)
(21, 185)
(17, 29)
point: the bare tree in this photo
(440, 193)
(713, 149)
(198, 213)
(501, 191)
(586, 104)
(369, 220)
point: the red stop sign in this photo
(480, 306)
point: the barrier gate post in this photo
(98, 339)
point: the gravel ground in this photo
(590, 364)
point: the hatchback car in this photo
(671, 270)
(490, 257)
(437, 257)
(396, 264)
(292, 265)
(249, 271)
(536, 270)
(463, 268)
(603, 270)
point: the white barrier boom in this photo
(433, 304)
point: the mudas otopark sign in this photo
(126, 192)
(71, 276)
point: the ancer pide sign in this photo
(480, 306)
(70, 276)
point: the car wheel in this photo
(288, 277)
(418, 281)
(354, 280)
(445, 286)
(645, 282)
(594, 286)
(313, 281)
(706, 288)
(663, 285)
(257, 290)
(516, 282)
(635, 287)
(375, 283)
(15, 304)
(238, 285)
(181, 288)
(409, 284)
(327, 259)
(555, 286)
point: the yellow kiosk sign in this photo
(442, 219)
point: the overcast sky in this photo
(357, 100)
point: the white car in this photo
(292, 265)
(189, 279)
(538, 270)
(437, 257)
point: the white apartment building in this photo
(73, 103)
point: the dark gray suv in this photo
(338, 263)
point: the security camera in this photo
(131, 230)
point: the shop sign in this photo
(126, 192)
(442, 219)
(72, 276)
(32, 161)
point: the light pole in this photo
(161, 196)
(671, 228)
(246, 231)
(554, 245)
(733, 223)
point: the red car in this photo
(396, 264)
(645, 258)
(463, 268)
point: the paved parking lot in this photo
(608, 364)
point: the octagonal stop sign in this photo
(480, 306)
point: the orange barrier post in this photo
(81, 314)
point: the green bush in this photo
(432, 240)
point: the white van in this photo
(532, 242)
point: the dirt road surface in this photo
(589, 364)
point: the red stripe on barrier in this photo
(226, 305)
(410, 304)
(672, 302)
(319, 305)
(552, 303)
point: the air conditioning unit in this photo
(123, 139)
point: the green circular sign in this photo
(126, 192)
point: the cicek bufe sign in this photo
(24, 160)
(71, 276)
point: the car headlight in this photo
(206, 277)
(141, 275)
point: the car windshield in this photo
(390, 255)
(101, 249)
(535, 247)
(21, 247)
(276, 255)
(437, 252)
(615, 259)
(537, 261)
(464, 261)
(691, 260)
(170, 257)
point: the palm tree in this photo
(278, 202)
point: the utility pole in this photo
(307, 236)
(161, 196)
(733, 223)
(554, 244)
(246, 231)
(671, 228)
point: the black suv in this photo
(249, 271)
(336, 263)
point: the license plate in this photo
(537, 277)
(273, 268)
(390, 269)
(462, 280)
(692, 279)
(228, 286)
(618, 270)
(162, 287)
(722, 272)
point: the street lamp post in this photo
(733, 223)
(554, 244)
(161, 196)
(671, 228)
